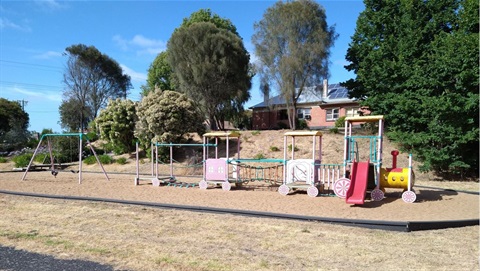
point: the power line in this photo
(29, 85)
(31, 64)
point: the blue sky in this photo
(34, 34)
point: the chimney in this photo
(325, 89)
(266, 98)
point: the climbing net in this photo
(250, 173)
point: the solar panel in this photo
(311, 95)
(337, 92)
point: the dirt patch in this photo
(431, 204)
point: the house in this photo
(319, 106)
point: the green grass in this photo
(62, 243)
(164, 259)
(96, 250)
(3, 160)
(20, 235)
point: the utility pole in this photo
(22, 103)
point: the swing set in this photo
(48, 138)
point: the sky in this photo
(34, 35)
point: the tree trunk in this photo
(212, 123)
(292, 116)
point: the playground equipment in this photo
(403, 178)
(53, 170)
(354, 187)
(155, 178)
(350, 180)
(225, 171)
(216, 170)
(302, 173)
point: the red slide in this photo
(358, 185)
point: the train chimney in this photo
(394, 158)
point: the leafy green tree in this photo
(11, 113)
(211, 65)
(116, 124)
(416, 62)
(166, 116)
(206, 15)
(13, 122)
(160, 75)
(91, 78)
(292, 43)
(74, 115)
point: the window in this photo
(332, 114)
(353, 112)
(304, 113)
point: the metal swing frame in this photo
(80, 136)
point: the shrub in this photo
(90, 160)
(259, 156)
(104, 159)
(340, 122)
(92, 136)
(274, 148)
(110, 147)
(334, 130)
(290, 148)
(121, 161)
(116, 124)
(302, 124)
(45, 158)
(167, 116)
(3, 160)
(105, 148)
(40, 157)
(65, 149)
(22, 160)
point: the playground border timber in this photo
(402, 226)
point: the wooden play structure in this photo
(54, 171)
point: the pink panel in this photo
(215, 169)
